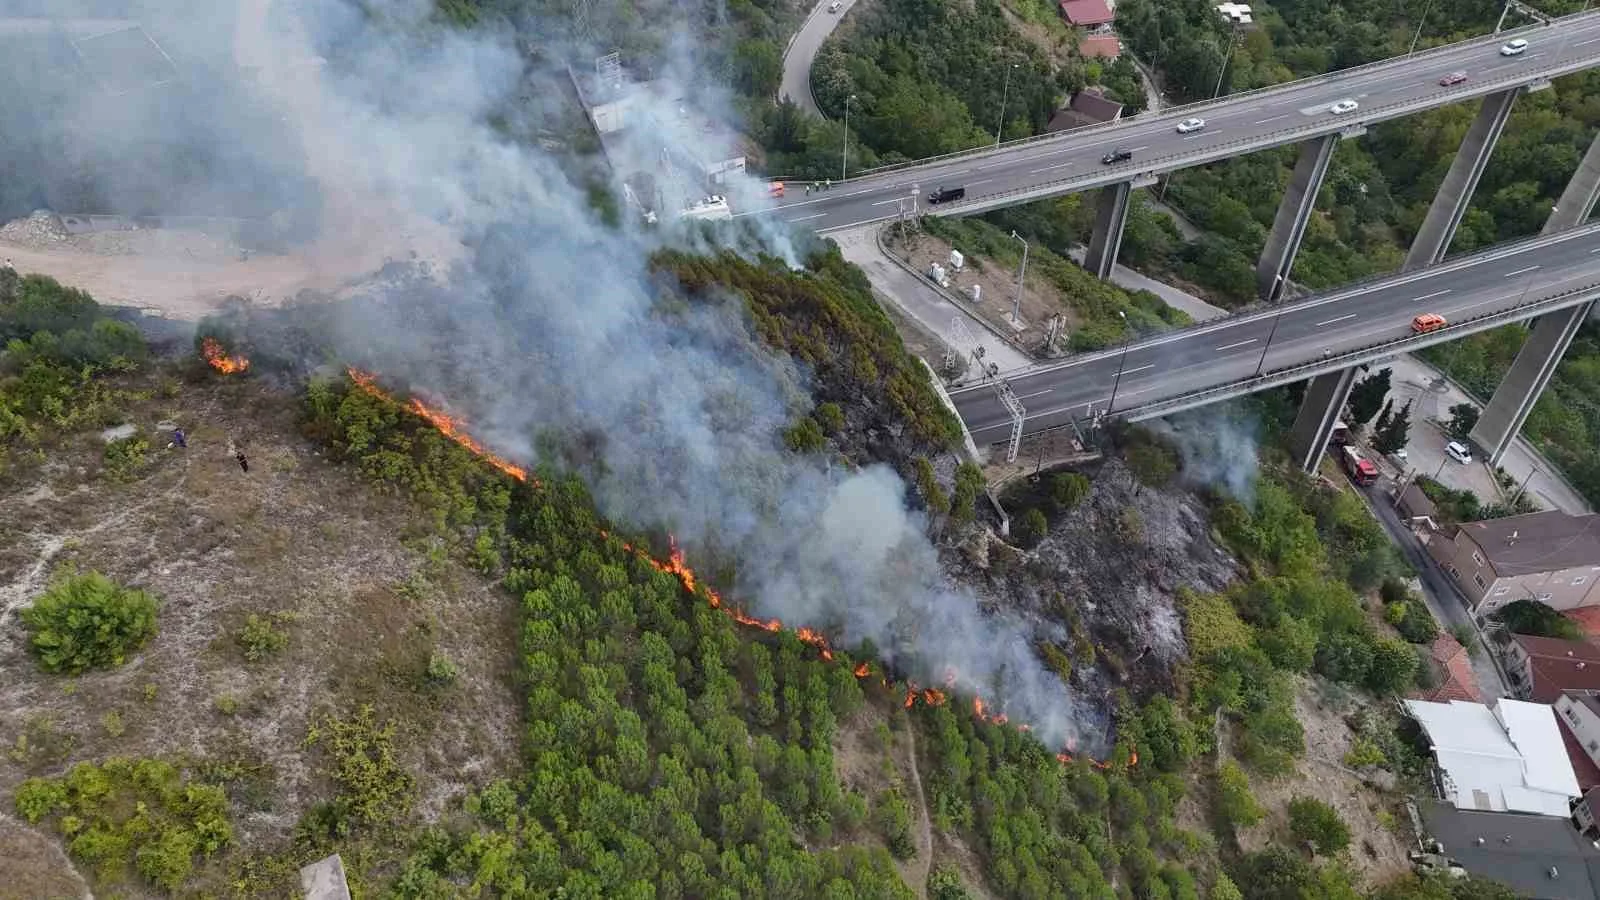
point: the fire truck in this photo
(1360, 469)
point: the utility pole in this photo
(844, 149)
(1224, 59)
(1000, 126)
(1122, 361)
(1022, 272)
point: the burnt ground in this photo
(1109, 572)
(361, 597)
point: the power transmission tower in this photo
(1009, 400)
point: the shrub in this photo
(830, 417)
(1068, 489)
(125, 457)
(805, 436)
(1032, 527)
(259, 638)
(969, 482)
(1235, 803)
(87, 622)
(1317, 823)
(441, 671)
(1364, 753)
(1152, 464)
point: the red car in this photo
(1428, 322)
(1453, 78)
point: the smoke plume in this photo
(548, 324)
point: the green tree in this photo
(1318, 824)
(1397, 433)
(1151, 463)
(1068, 489)
(1236, 803)
(1367, 396)
(1533, 617)
(1384, 418)
(757, 67)
(1393, 666)
(1032, 527)
(88, 622)
(1463, 418)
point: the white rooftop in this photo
(1238, 12)
(1508, 758)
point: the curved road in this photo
(1242, 123)
(802, 52)
(1220, 359)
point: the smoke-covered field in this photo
(552, 325)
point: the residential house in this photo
(1548, 556)
(1087, 107)
(1541, 668)
(1542, 857)
(1508, 757)
(1417, 509)
(1088, 14)
(1236, 13)
(1453, 668)
(1579, 715)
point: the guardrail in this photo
(1319, 366)
(1259, 311)
(1185, 110)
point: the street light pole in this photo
(1426, 7)
(1123, 361)
(1275, 320)
(1022, 272)
(1000, 126)
(844, 150)
(1224, 59)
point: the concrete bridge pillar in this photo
(1319, 411)
(1455, 192)
(1110, 217)
(1294, 212)
(1505, 412)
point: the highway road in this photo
(1215, 360)
(1070, 161)
(802, 52)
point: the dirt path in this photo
(924, 861)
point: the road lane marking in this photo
(1193, 136)
(1048, 168)
(806, 218)
(1139, 391)
(1036, 394)
(1331, 321)
(1140, 369)
(1597, 249)
(1137, 149)
(887, 202)
(979, 181)
(1269, 119)
(1239, 344)
(1589, 41)
(1431, 296)
(1520, 272)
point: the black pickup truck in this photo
(945, 195)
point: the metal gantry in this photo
(1002, 389)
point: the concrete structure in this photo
(1111, 214)
(1542, 857)
(1540, 669)
(1236, 13)
(324, 880)
(1455, 192)
(1319, 411)
(1502, 758)
(1087, 107)
(1294, 212)
(1579, 713)
(1550, 556)
(1100, 46)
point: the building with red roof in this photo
(1087, 13)
(1453, 667)
(1541, 668)
(1100, 46)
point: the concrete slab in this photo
(324, 880)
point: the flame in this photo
(444, 424)
(673, 564)
(220, 360)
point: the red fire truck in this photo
(1360, 469)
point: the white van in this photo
(1458, 452)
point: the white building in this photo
(1503, 758)
(1235, 13)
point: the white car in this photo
(1189, 125)
(1458, 452)
(834, 6)
(1343, 106)
(1514, 48)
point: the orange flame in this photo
(674, 564)
(445, 425)
(220, 360)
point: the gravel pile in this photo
(40, 231)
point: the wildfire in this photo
(673, 564)
(220, 360)
(445, 425)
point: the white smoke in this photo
(549, 325)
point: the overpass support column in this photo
(1578, 198)
(1112, 214)
(1294, 212)
(1319, 411)
(1455, 192)
(1503, 416)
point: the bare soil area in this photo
(349, 574)
(1376, 852)
(876, 751)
